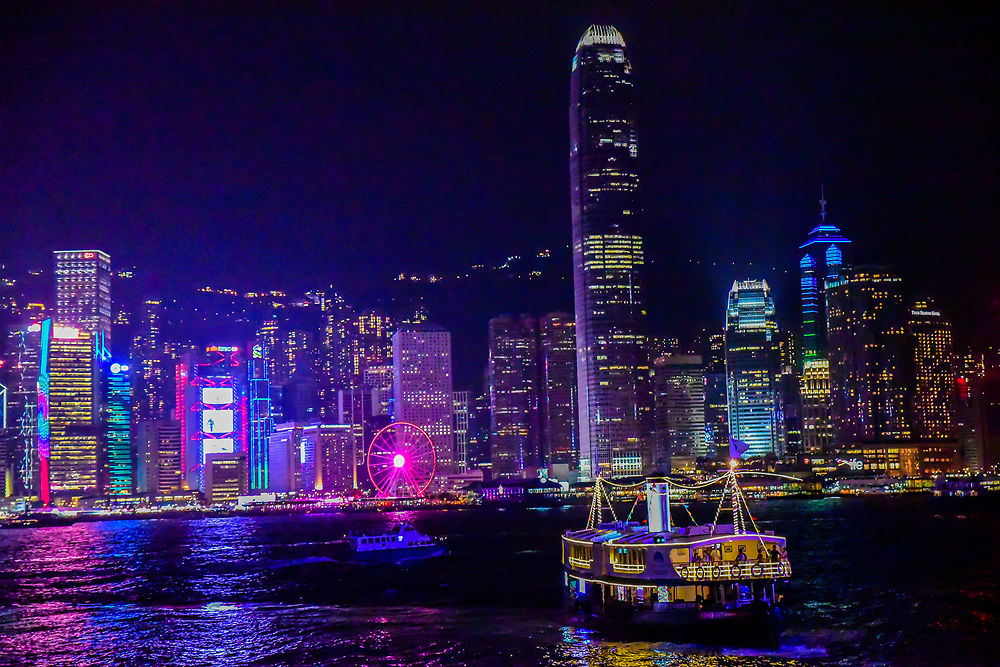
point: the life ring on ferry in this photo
(700, 572)
(716, 572)
(734, 571)
(756, 569)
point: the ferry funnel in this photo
(658, 507)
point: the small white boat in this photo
(403, 542)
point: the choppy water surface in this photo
(907, 581)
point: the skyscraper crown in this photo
(601, 34)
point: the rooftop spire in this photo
(822, 203)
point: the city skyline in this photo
(706, 201)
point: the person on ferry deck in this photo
(742, 555)
(761, 555)
(774, 554)
(697, 557)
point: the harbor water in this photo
(911, 580)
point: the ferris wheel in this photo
(401, 461)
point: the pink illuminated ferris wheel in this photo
(401, 461)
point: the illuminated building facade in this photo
(260, 420)
(817, 407)
(869, 360)
(514, 379)
(119, 479)
(612, 366)
(362, 340)
(422, 386)
(559, 409)
(461, 431)
(752, 368)
(933, 373)
(160, 469)
(83, 292)
(225, 478)
(213, 408)
(678, 408)
(154, 377)
(822, 263)
(68, 410)
(716, 401)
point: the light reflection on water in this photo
(276, 591)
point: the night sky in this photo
(265, 146)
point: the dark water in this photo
(878, 581)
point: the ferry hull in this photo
(393, 555)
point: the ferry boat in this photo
(403, 542)
(711, 577)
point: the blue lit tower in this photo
(261, 423)
(822, 262)
(612, 366)
(752, 368)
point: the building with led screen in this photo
(68, 428)
(119, 479)
(612, 366)
(261, 422)
(215, 413)
(752, 368)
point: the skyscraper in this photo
(83, 292)
(422, 386)
(514, 380)
(260, 420)
(869, 361)
(716, 402)
(560, 431)
(933, 372)
(822, 262)
(751, 368)
(461, 431)
(68, 434)
(612, 367)
(817, 407)
(118, 455)
(678, 408)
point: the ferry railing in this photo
(628, 568)
(729, 570)
(580, 563)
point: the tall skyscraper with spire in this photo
(612, 367)
(823, 262)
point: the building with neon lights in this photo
(823, 262)
(678, 408)
(261, 422)
(514, 380)
(868, 349)
(212, 388)
(70, 458)
(119, 463)
(559, 409)
(311, 457)
(752, 368)
(83, 292)
(612, 365)
(422, 386)
(933, 372)
(160, 471)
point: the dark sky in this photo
(262, 145)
